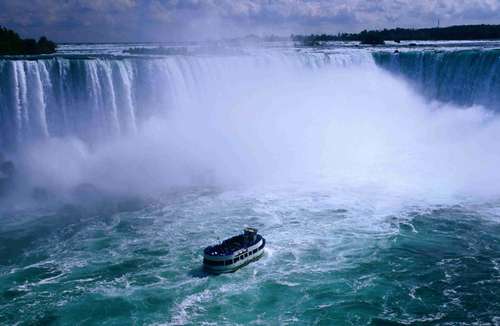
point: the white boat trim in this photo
(240, 258)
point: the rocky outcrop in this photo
(7, 173)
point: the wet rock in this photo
(86, 192)
(7, 169)
(40, 194)
(5, 186)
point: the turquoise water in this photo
(333, 258)
(373, 176)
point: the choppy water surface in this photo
(332, 258)
(372, 173)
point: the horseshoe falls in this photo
(372, 174)
(465, 77)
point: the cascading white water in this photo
(96, 98)
(463, 77)
(265, 117)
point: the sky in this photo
(182, 20)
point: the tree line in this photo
(451, 33)
(12, 44)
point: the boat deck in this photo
(231, 245)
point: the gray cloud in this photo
(151, 20)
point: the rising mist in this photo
(252, 120)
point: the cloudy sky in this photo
(167, 20)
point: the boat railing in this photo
(230, 246)
(236, 259)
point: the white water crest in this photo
(136, 125)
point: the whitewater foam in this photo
(310, 119)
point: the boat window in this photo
(236, 259)
(228, 262)
(213, 262)
(254, 251)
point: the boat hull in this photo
(229, 264)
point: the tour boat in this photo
(234, 252)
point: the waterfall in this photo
(150, 123)
(96, 98)
(84, 98)
(465, 77)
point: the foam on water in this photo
(330, 258)
(377, 205)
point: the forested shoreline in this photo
(12, 44)
(451, 33)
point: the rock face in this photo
(7, 169)
(40, 194)
(87, 192)
(4, 187)
(7, 172)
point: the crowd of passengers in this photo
(229, 246)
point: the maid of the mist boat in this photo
(234, 252)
